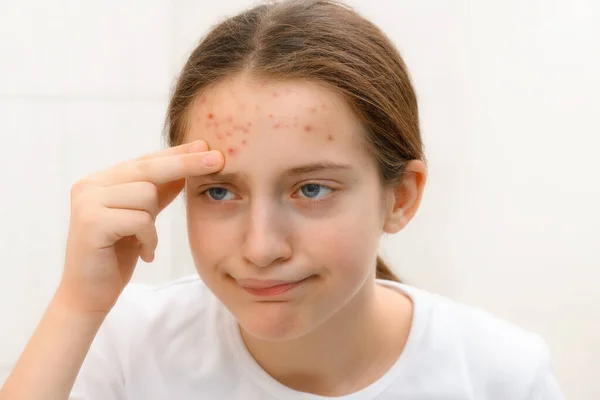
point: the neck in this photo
(355, 347)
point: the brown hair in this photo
(323, 41)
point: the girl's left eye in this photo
(314, 191)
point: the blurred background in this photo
(508, 93)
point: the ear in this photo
(403, 199)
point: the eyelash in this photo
(333, 191)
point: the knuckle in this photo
(84, 210)
(142, 167)
(146, 228)
(78, 205)
(145, 220)
(82, 199)
(84, 185)
(149, 194)
(149, 191)
(78, 187)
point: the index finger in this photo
(197, 145)
(100, 176)
(164, 169)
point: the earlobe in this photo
(404, 199)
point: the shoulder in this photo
(152, 299)
(504, 357)
(483, 331)
(147, 337)
(496, 357)
(151, 314)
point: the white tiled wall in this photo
(508, 101)
(83, 85)
(119, 49)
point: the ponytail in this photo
(384, 272)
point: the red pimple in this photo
(244, 142)
(323, 106)
(220, 136)
(203, 99)
(330, 137)
(211, 116)
(231, 151)
(308, 128)
(270, 115)
(230, 119)
(249, 124)
(278, 125)
(229, 133)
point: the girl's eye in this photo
(311, 191)
(314, 191)
(218, 193)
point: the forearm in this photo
(49, 365)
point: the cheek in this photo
(346, 246)
(209, 237)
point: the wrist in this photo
(66, 301)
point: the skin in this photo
(111, 227)
(332, 335)
(337, 331)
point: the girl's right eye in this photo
(218, 194)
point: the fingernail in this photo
(211, 159)
(198, 145)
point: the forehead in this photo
(249, 118)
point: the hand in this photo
(113, 215)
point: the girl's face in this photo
(298, 200)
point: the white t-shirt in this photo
(178, 341)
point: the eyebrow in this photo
(316, 167)
(294, 171)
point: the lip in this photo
(265, 288)
(262, 284)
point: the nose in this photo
(266, 241)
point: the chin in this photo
(274, 322)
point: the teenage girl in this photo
(294, 137)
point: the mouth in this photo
(267, 288)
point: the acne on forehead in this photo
(233, 132)
(234, 135)
(231, 150)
